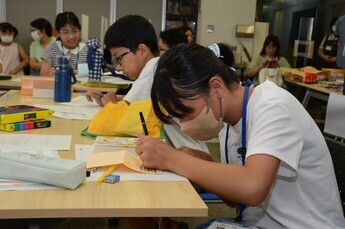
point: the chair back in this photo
(337, 150)
(209, 197)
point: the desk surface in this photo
(315, 87)
(16, 85)
(123, 199)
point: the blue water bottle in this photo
(64, 78)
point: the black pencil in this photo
(143, 123)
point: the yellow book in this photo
(20, 113)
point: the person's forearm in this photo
(253, 71)
(35, 66)
(21, 66)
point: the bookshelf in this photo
(182, 12)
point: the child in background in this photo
(188, 32)
(169, 38)
(13, 56)
(68, 44)
(42, 34)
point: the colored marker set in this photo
(41, 123)
(24, 117)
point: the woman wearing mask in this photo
(13, 56)
(67, 44)
(276, 163)
(41, 33)
(328, 48)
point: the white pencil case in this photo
(42, 169)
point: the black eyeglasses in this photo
(118, 59)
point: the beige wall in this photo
(150, 9)
(225, 15)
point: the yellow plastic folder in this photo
(121, 119)
(118, 157)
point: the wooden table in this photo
(123, 199)
(15, 84)
(313, 90)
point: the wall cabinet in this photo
(181, 13)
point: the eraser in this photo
(112, 178)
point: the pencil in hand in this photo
(143, 123)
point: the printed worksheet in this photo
(119, 157)
(35, 142)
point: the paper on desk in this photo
(116, 141)
(81, 101)
(44, 152)
(115, 80)
(10, 185)
(35, 142)
(65, 115)
(72, 112)
(127, 174)
(82, 152)
(118, 157)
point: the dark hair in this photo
(227, 54)
(65, 18)
(271, 39)
(333, 21)
(173, 37)
(42, 24)
(130, 31)
(185, 28)
(7, 27)
(183, 72)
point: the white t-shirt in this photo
(141, 90)
(305, 192)
(141, 87)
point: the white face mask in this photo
(333, 28)
(7, 39)
(204, 126)
(35, 36)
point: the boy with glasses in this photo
(132, 42)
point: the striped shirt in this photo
(55, 49)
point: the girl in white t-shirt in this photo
(276, 164)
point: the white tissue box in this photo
(42, 169)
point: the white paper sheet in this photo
(65, 115)
(9, 185)
(35, 142)
(335, 121)
(126, 174)
(81, 101)
(82, 151)
(71, 109)
(72, 112)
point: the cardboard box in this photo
(29, 83)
